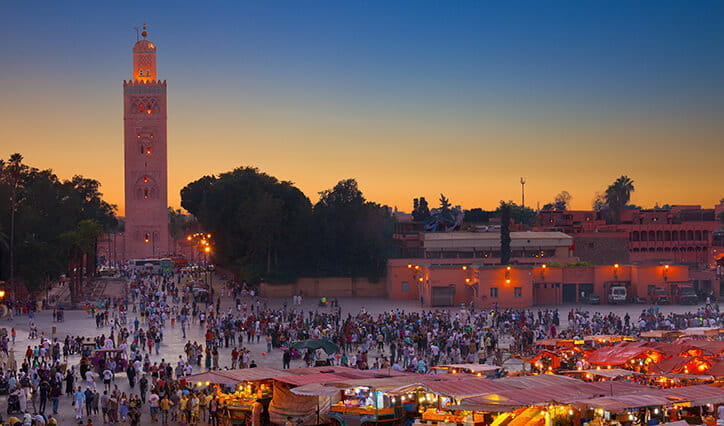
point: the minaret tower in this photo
(145, 159)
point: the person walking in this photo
(79, 402)
(165, 406)
(44, 391)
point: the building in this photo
(145, 158)
(484, 247)
(521, 286)
(681, 234)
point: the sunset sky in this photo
(411, 98)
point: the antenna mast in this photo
(522, 192)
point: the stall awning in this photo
(315, 389)
(463, 388)
(702, 331)
(660, 334)
(616, 355)
(537, 381)
(234, 377)
(211, 378)
(305, 379)
(380, 384)
(610, 373)
(546, 395)
(695, 395)
(475, 368)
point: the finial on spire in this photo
(144, 33)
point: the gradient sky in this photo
(411, 98)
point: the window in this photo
(518, 291)
(494, 292)
(405, 286)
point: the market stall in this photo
(240, 393)
(691, 403)
(310, 406)
(364, 400)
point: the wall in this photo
(329, 287)
(537, 285)
(602, 248)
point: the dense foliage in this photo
(49, 226)
(266, 229)
(505, 251)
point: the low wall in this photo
(329, 287)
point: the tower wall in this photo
(145, 159)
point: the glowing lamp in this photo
(507, 268)
(409, 266)
(666, 267)
(507, 281)
(544, 266)
(2, 294)
(465, 268)
(615, 265)
(207, 249)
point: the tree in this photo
(444, 204)
(477, 215)
(39, 208)
(562, 201)
(353, 235)
(523, 215)
(81, 244)
(261, 226)
(618, 195)
(420, 211)
(599, 202)
(14, 172)
(505, 251)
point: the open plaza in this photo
(388, 361)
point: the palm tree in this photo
(81, 243)
(618, 195)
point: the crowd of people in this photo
(82, 371)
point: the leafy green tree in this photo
(562, 200)
(420, 209)
(505, 214)
(444, 204)
(523, 215)
(39, 208)
(81, 245)
(599, 202)
(354, 236)
(617, 197)
(477, 215)
(261, 226)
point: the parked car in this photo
(593, 299)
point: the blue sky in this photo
(411, 97)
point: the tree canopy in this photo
(38, 214)
(617, 197)
(266, 229)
